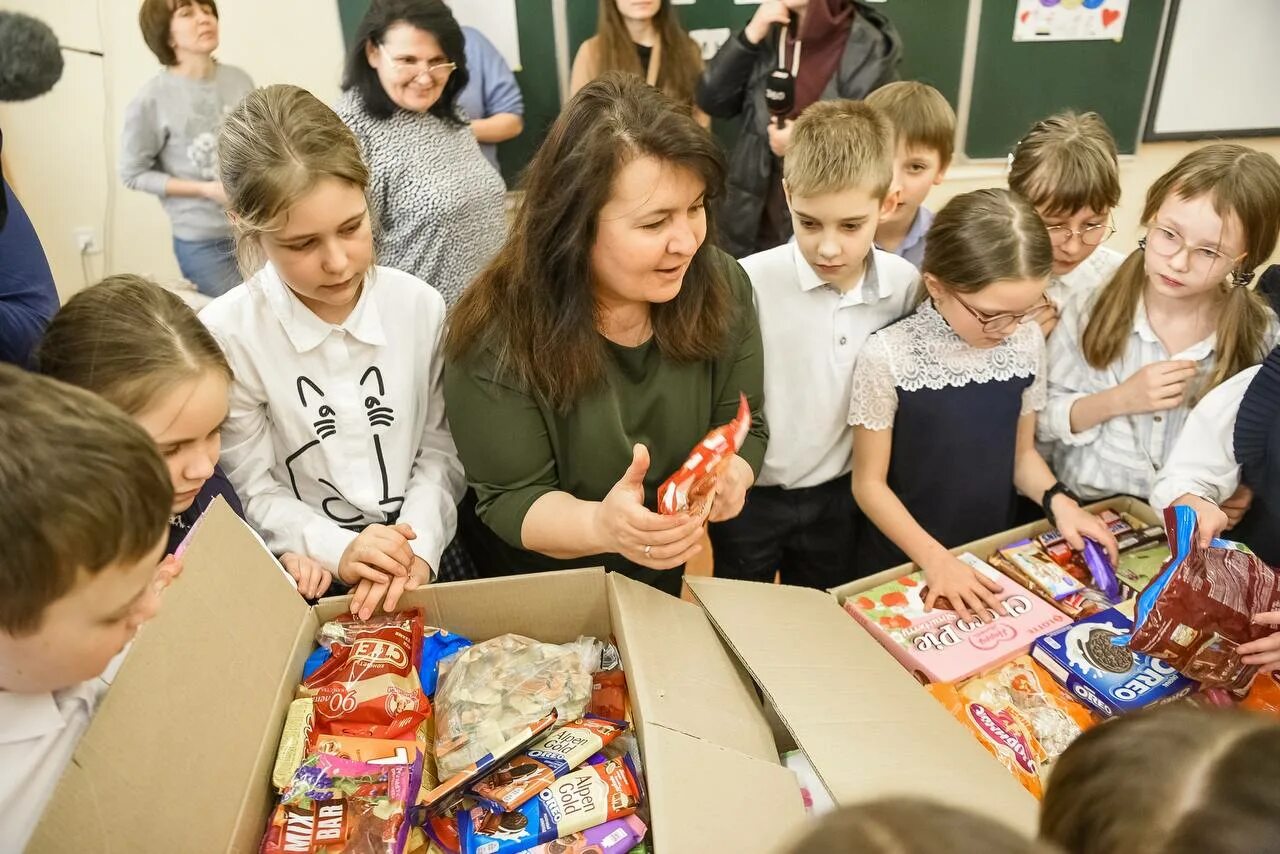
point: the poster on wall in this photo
(1069, 20)
(497, 20)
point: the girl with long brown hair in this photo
(605, 339)
(643, 37)
(1130, 360)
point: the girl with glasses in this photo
(1130, 360)
(438, 206)
(944, 403)
(1067, 167)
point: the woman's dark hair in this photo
(534, 305)
(1175, 780)
(432, 16)
(910, 826)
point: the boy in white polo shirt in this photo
(819, 299)
(84, 518)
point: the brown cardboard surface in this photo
(987, 545)
(867, 726)
(171, 754)
(178, 757)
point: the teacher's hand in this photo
(732, 483)
(632, 530)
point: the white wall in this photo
(60, 150)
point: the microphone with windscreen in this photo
(30, 58)
(780, 85)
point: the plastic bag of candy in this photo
(494, 690)
(369, 686)
(1201, 606)
(689, 486)
(337, 805)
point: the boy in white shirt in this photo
(819, 299)
(84, 513)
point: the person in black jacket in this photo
(828, 49)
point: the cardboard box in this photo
(868, 727)
(179, 755)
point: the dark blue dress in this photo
(217, 484)
(954, 412)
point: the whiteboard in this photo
(1219, 73)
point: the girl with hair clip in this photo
(1130, 360)
(141, 348)
(910, 826)
(944, 403)
(336, 437)
(646, 38)
(1172, 780)
(1068, 168)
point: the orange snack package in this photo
(1264, 694)
(688, 487)
(1020, 715)
(369, 686)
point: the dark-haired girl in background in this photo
(437, 204)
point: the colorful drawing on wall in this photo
(1069, 20)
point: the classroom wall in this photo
(60, 149)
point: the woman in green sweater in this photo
(607, 337)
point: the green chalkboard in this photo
(537, 79)
(1016, 83)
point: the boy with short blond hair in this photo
(84, 512)
(924, 142)
(819, 299)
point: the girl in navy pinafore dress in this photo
(944, 402)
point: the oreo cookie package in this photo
(1110, 679)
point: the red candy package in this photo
(688, 487)
(1201, 606)
(369, 686)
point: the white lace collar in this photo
(926, 352)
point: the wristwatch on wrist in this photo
(1058, 488)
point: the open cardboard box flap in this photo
(179, 754)
(869, 729)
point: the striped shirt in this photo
(1127, 453)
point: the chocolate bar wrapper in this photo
(613, 837)
(581, 800)
(449, 792)
(1045, 575)
(550, 758)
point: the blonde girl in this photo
(336, 437)
(1130, 360)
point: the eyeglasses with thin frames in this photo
(1167, 243)
(414, 69)
(1090, 235)
(1001, 323)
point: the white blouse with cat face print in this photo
(334, 427)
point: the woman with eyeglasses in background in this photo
(944, 404)
(437, 204)
(1130, 360)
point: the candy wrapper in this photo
(609, 695)
(612, 837)
(494, 690)
(450, 791)
(548, 759)
(688, 487)
(369, 686)
(336, 805)
(1201, 606)
(1020, 715)
(579, 801)
(1264, 694)
(294, 741)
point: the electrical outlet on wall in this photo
(86, 240)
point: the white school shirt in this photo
(1124, 454)
(334, 427)
(812, 334)
(38, 735)
(1203, 461)
(1089, 275)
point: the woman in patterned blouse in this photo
(438, 205)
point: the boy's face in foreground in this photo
(835, 231)
(80, 633)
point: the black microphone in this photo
(780, 94)
(30, 58)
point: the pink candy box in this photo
(939, 645)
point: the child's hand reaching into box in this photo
(369, 592)
(313, 579)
